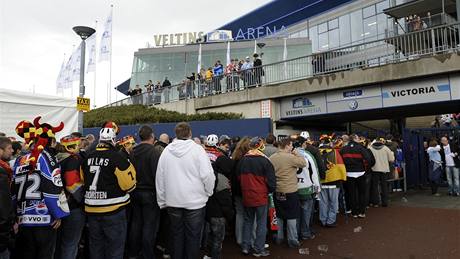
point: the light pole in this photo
(84, 32)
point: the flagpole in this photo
(111, 49)
(95, 68)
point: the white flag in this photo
(75, 66)
(228, 53)
(60, 78)
(106, 40)
(285, 58)
(91, 50)
(199, 60)
(67, 80)
(255, 46)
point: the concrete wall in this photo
(432, 65)
(184, 106)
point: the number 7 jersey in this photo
(108, 178)
(39, 195)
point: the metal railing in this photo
(431, 41)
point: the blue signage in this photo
(351, 94)
(260, 32)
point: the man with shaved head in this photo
(162, 141)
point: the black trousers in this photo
(379, 179)
(36, 242)
(356, 188)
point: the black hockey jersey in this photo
(108, 179)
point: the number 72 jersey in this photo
(39, 195)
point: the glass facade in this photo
(178, 65)
(363, 25)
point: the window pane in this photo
(345, 31)
(369, 11)
(370, 28)
(313, 32)
(382, 6)
(356, 19)
(323, 41)
(322, 27)
(334, 41)
(382, 25)
(333, 24)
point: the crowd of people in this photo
(244, 73)
(120, 199)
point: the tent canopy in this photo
(16, 106)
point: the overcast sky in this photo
(35, 35)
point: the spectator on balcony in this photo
(191, 85)
(231, 75)
(149, 90)
(201, 82)
(218, 71)
(258, 70)
(157, 89)
(246, 72)
(166, 87)
(209, 86)
(149, 86)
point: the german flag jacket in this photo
(108, 178)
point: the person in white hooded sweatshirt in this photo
(184, 181)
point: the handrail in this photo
(408, 46)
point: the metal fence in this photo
(409, 46)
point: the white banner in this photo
(228, 53)
(75, 66)
(106, 40)
(60, 79)
(199, 60)
(91, 50)
(16, 106)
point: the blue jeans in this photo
(69, 234)
(107, 235)
(186, 226)
(328, 205)
(216, 236)
(144, 224)
(306, 208)
(5, 254)
(453, 180)
(260, 215)
(239, 221)
(291, 230)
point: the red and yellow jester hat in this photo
(26, 130)
(71, 144)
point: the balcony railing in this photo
(410, 46)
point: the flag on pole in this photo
(106, 39)
(60, 78)
(228, 53)
(285, 58)
(199, 60)
(91, 46)
(75, 66)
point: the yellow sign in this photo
(83, 104)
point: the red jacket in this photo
(256, 175)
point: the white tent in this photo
(17, 106)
